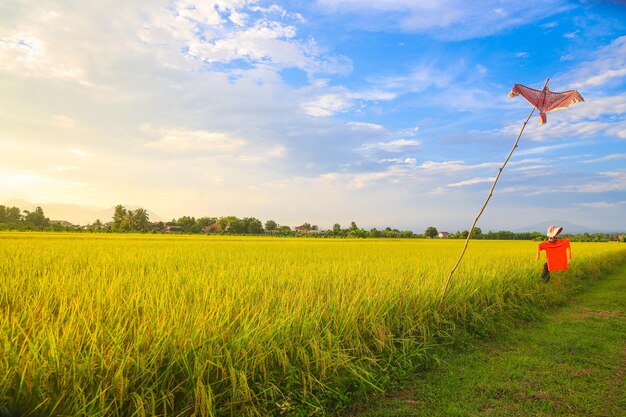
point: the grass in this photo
(571, 362)
(131, 325)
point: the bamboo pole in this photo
(480, 212)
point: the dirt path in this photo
(572, 362)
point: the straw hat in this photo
(553, 231)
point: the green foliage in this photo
(137, 221)
(431, 232)
(188, 224)
(271, 225)
(11, 218)
(125, 220)
(565, 362)
(253, 226)
(36, 218)
(13, 215)
(285, 231)
(355, 232)
(119, 218)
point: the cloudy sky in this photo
(385, 112)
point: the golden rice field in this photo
(142, 325)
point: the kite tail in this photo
(543, 118)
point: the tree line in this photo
(14, 218)
(477, 233)
(126, 220)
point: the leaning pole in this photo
(480, 212)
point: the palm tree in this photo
(141, 219)
(119, 217)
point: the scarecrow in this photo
(557, 251)
(542, 100)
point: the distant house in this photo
(303, 229)
(173, 229)
(307, 229)
(212, 228)
(62, 223)
(443, 235)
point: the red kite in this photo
(546, 100)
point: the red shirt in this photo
(556, 254)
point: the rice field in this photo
(142, 325)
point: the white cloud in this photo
(266, 41)
(465, 183)
(426, 176)
(58, 168)
(36, 185)
(618, 130)
(50, 40)
(598, 115)
(610, 181)
(327, 101)
(361, 126)
(612, 157)
(533, 170)
(595, 107)
(330, 100)
(27, 53)
(398, 145)
(596, 183)
(603, 204)
(538, 150)
(420, 78)
(407, 161)
(240, 31)
(64, 121)
(211, 13)
(602, 78)
(79, 152)
(514, 189)
(328, 104)
(182, 140)
(606, 65)
(363, 179)
(271, 154)
(445, 19)
(471, 181)
(454, 166)
(413, 131)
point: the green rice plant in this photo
(136, 325)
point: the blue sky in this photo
(385, 112)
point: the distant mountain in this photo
(567, 227)
(73, 213)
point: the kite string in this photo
(469, 235)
